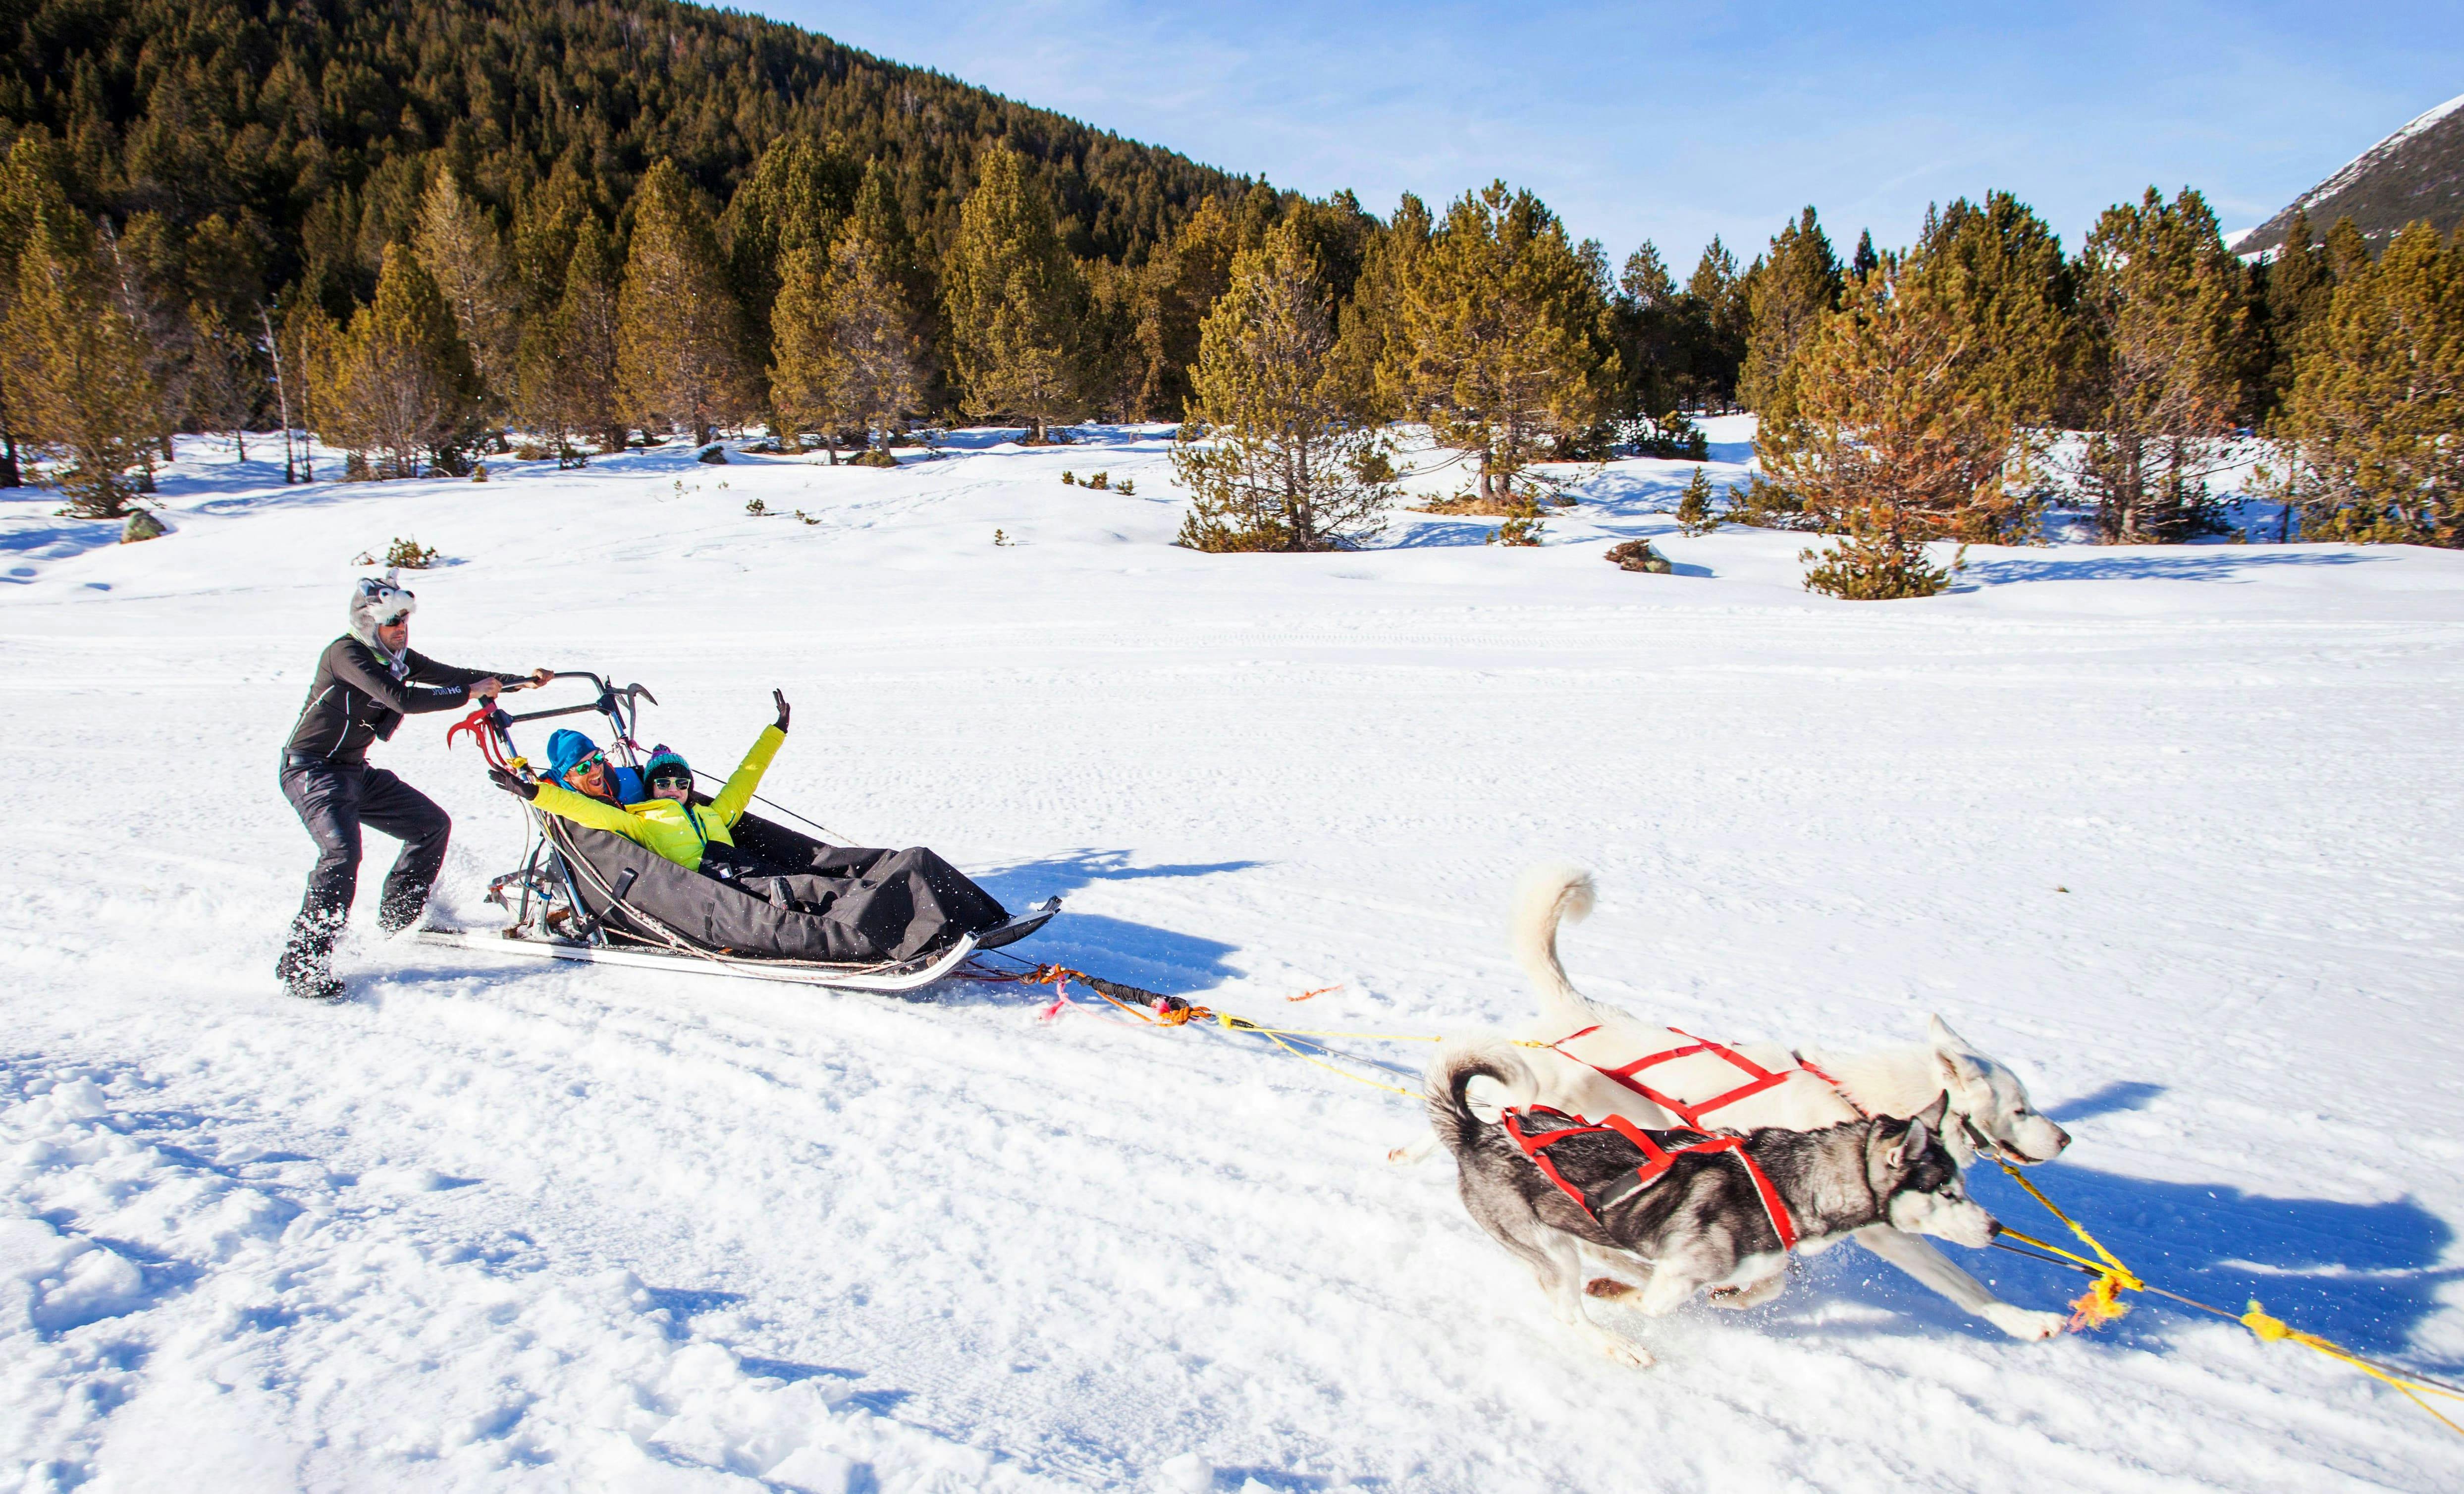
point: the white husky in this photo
(1744, 1086)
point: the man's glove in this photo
(510, 784)
(782, 699)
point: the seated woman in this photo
(867, 904)
(678, 828)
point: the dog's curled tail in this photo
(1451, 1072)
(1545, 897)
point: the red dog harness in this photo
(1757, 1078)
(1657, 1160)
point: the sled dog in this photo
(1560, 1060)
(1717, 1219)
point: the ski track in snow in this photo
(493, 1225)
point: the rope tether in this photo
(2100, 1305)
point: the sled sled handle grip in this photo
(625, 883)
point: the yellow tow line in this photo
(2100, 1305)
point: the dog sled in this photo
(587, 895)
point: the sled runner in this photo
(861, 920)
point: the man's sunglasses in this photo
(589, 765)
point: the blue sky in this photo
(1675, 123)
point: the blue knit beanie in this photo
(566, 747)
(662, 757)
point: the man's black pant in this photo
(334, 800)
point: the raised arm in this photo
(737, 793)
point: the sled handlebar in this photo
(610, 702)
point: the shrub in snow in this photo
(408, 555)
(1100, 482)
(716, 456)
(1878, 568)
(1521, 526)
(141, 525)
(1694, 516)
(873, 457)
(756, 507)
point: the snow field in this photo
(493, 1225)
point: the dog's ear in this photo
(1887, 1151)
(1959, 1071)
(1932, 1116)
(1904, 1145)
(1938, 1033)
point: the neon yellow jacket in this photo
(675, 831)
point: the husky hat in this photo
(375, 602)
(566, 747)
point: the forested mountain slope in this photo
(306, 124)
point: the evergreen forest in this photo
(434, 235)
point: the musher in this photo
(367, 682)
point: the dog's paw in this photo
(1627, 1352)
(1608, 1286)
(2024, 1322)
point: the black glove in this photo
(510, 784)
(782, 699)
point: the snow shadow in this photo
(30, 537)
(2114, 1098)
(2365, 1274)
(2225, 562)
(1142, 954)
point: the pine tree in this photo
(1650, 335)
(2161, 304)
(1369, 353)
(568, 372)
(547, 220)
(226, 388)
(400, 387)
(1900, 411)
(1896, 437)
(848, 349)
(795, 197)
(2300, 291)
(1175, 289)
(1506, 339)
(1794, 287)
(680, 336)
(1014, 298)
(2368, 432)
(1694, 515)
(74, 367)
(458, 247)
(31, 203)
(1281, 466)
(2348, 250)
(1712, 318)
(1997, 270)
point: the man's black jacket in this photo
(355, 699)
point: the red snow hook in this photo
(486, 726)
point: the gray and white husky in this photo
(1989, 1107)
(1702, 1223)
